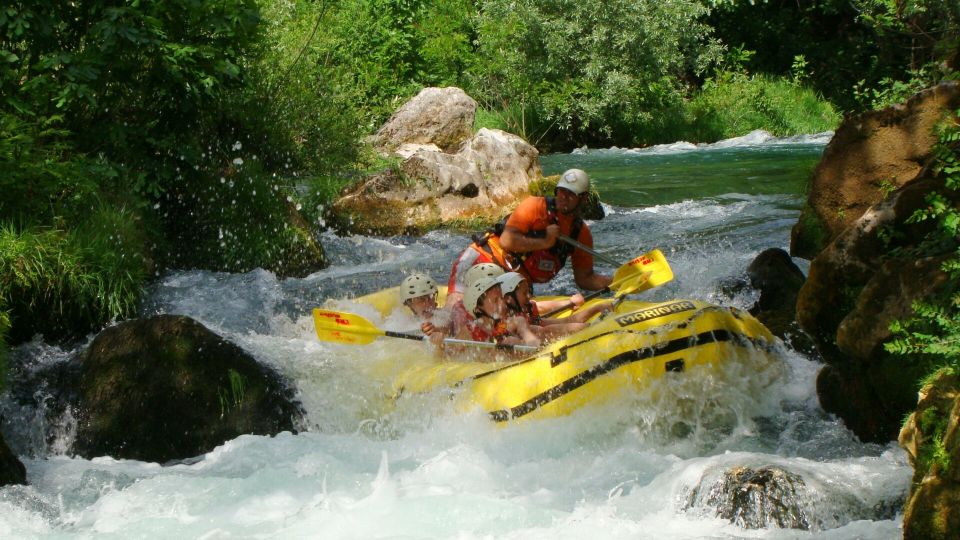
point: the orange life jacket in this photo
(539, 266)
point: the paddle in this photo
(589, 250)
(342, 327)
(662, 274)
(645, 272)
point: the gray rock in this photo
(491, 171)
(440, 116)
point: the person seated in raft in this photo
(491, 322)
(419, 293)
(491, 270)
(476, 272)
(519, 301)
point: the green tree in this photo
(589, 70)
(858, 54)
(390, 49)
(136, 82)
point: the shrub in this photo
(732, 104)
(61, 283)
(242, 220)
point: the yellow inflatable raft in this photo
(626, 350)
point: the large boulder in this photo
(869, 155)
(931, 437)
(854, 290)
(438, 116)
(167, 388)
(868, 273)
(490, 172)
(12, 470)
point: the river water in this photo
(363, 469)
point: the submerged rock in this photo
(756, 498)
(12, 470)
(167, 388)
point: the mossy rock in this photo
(931, 438)
(167, 388)
(809, 236)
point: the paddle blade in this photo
(341, 327)
(632, 284)
(653, 262)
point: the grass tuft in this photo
(65, 284)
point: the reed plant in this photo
(66, 283)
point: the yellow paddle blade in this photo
(653, 262)
(632, 284)
(342, 327)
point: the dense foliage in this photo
(933, 333)
(590, 70)
(859, 54)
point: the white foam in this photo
(755, 139)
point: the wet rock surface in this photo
(12, 470)
(167, 388)
(756, 498)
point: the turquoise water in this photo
(419, 471)
(637, 179)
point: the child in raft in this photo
(491, 322)
(419, 293)
(519, 301)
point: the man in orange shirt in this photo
(529, 243)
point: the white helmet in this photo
(509, 282)
(575, 180)
(477, 271)
(415, 286)
(475, 291)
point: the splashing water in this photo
(646, 465)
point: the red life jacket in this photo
(479, 333)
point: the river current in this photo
(365, 469)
